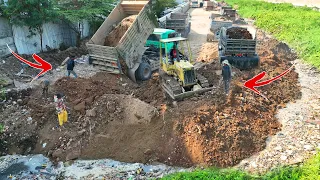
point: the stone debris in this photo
(298, 139)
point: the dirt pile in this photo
(222, 133)
(116, 34)
(238, 33)
(208, 52)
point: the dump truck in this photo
(179, 22)
(239, 51)
(214, 31)
(127, 55)
(229, 12)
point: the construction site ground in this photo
(112, 117)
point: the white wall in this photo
(53, 35)
(5, 37)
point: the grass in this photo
(309, 170)
(297, 26)
(1, 128)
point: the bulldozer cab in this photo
(178, 62)
(182, 48)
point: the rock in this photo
(5, 81)
(91, 113)
(278, 148)
(175, 104)
(148, 152)
(57, 153)
(308, 147)
(81, 132)
(29, 119)
(89, 100)
(80, 107)
(283, 158)
(72, 155)
(20, 102)
(76, 101)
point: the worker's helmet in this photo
(225, 62)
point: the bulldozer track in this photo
(170, 85)
(204, 83)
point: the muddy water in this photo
(38, 166)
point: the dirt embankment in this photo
(116, 34)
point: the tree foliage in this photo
(31, 13)
(75, 10)
(161, 5)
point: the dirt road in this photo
(200, 24)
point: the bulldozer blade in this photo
(187, 94)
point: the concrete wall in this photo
(54, 34)
(181, 8)
(6, 37)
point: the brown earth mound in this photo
(238, 33)
(116, 34)
(208, 52)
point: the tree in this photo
(73, 11)
(161, 5)
(31, 13)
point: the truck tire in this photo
(144, 72)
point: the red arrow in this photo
(43, 65)
(251, 83)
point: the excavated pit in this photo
(104, 121)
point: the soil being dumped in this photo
(116, 34)
(112, 117)
(238, 33)
(208, 53)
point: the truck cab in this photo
(160, 33)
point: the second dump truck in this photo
(240, 51)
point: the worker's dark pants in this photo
(45, 91)
(227, 85)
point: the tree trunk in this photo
(40, 30)
(78, 39)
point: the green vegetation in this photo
(297, 26)
(207, 174)
(1, 128)
(72, 12)
(309, 170)
(31, 13)
(161, 5)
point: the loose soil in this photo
(116, 34)
(208, 52)
(238, 33)
(112, 117)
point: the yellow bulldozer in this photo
(177, 72)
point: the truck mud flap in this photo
(132, 72)
(184, 95)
